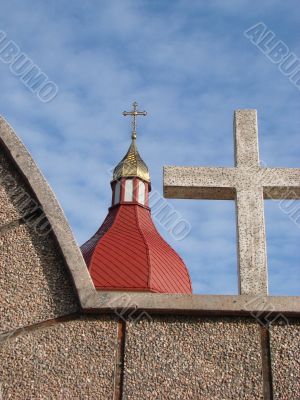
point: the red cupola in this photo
(127, 253)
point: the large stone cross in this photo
(248, 184)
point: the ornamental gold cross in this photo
(134, 113)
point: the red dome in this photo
(128, 253)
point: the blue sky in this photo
(190, 66)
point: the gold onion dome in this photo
(132, 165)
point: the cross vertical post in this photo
(248, 184)
(251, 235)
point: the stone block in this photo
(193, 358)
(68, 360)
(34, 282)
(285, 351)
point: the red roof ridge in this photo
(146, 244)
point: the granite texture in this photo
(193, 358)
(22, 164)
(285, 351)
(68, 360)
(34, 281)
(12, 192)
(248, 184)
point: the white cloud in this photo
(189, 65)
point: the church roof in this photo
(128, 253)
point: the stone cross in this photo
(248, 184)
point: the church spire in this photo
(132, 165)
(127, 252)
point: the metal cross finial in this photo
(134, 113)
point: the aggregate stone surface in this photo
(13, 192)
(34, 281)
(69, 360)
(193, 358)
(285, 351)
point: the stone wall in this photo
(211, 358)
(193, 358)
(34, 281)
(165, 358)
(67, 360)
(285, 356)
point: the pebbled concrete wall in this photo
(13, 191)
(285, 358)
(34, 281)
(68, 360)
(193, 358)
(168, 358)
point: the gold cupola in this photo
(132, 165)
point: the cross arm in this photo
(199, 183)
(280, 183)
